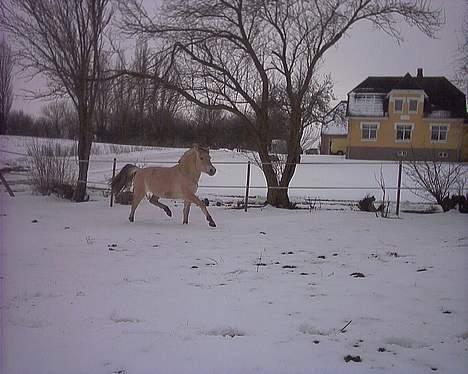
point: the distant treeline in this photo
(58, 120)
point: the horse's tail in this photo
(124, 179)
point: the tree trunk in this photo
(276, 197)
(84, 151)
(3, 123)
(279, 197)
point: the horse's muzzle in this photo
(211, 171)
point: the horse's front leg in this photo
(192, 198)
(186, 211)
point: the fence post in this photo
(113, 176)
(7, 186)
(247, 185)
(400, 164)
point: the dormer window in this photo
(413, 106)
(398, 105)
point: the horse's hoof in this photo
(168, 212)
(131, 219)
(212, 224)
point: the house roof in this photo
(442, 95)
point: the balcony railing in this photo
(439, 114)
(366, 105)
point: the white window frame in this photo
(409, 105)
(376, 124)
(411, 132)
(447, 126)
(402, 99)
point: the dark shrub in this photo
(367, 204)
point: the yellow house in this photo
(392, 118)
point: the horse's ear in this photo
(196, 148)
(203, 148)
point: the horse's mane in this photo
(188, 155)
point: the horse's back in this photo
(161, 181)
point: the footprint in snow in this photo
(405, 342)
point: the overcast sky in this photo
(363, 53)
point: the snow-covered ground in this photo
(267, 291)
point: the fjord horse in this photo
(176, 182)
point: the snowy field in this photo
(267, 291)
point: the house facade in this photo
(405, 118)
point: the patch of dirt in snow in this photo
(32, 324)
(349, 358)
(114, 317)
(225, 332)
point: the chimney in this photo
(420, 73)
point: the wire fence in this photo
(248, 186)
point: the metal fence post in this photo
(400, 166)
(113, 176)
(247, 185)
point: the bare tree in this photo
(163, 105)
(232, 56)
(461, 77)
(140, 106)
(140, 86)
(20, 123)
(57, 114)
(435, 180)
(63, 40)
(318, 119)
(206, 120)
(6, 87)
(385, 205)
(122, 103)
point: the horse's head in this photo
(204, 160)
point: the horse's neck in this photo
(188, 168)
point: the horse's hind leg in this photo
(138, 195)
(186, 211)
(155, 201)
